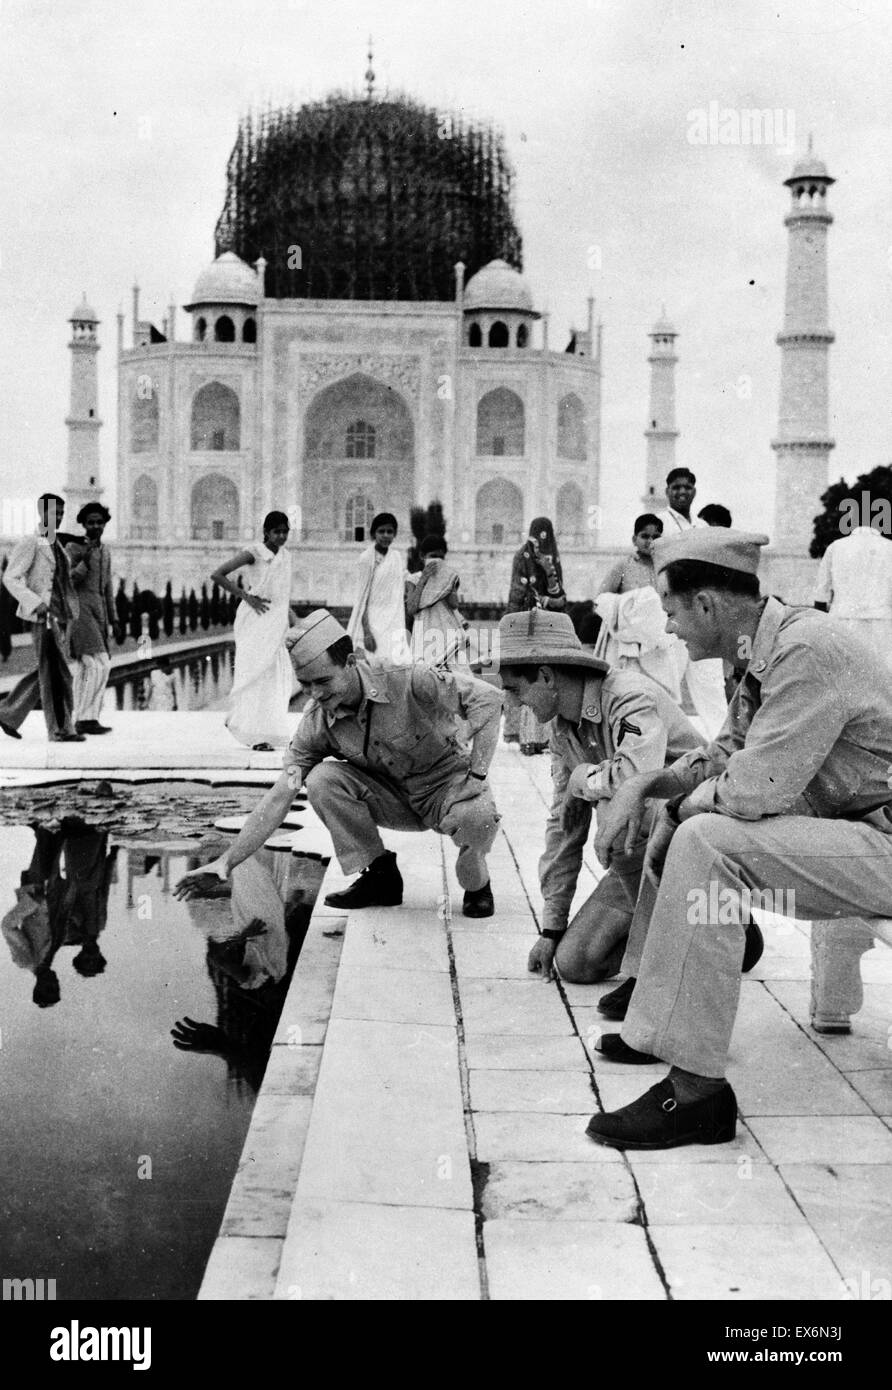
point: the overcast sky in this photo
(117, 117)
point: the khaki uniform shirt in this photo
(404, 730)
(629, 725)
(809, 728)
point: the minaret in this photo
(803, 442)
(661, 433)
(82, 479)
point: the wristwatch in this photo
(672, 807)
(552, 934)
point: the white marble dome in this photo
(228, 280)
(498, 286)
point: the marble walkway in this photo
(420, 1130)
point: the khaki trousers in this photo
(352, 803)
(49, 686)
(685, 1001)
(592, 946)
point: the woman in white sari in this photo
(378, 621)
(263, 680)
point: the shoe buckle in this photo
(670, 1105)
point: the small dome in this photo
(663, 326)
(498, 286)
(810, 168)
(228, 280)
(83, 313)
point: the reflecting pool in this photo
(135, 1033)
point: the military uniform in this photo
(400, 764)
(795, 798)
(629, 725)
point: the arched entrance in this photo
(359, 442)
(498, 513)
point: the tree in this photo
(151, 604)
(205, 608)
(135, 615)
(183, 612)
(837, 519)
(167, 610)
(215, 603)
(233, 606)
(122, 609)
(424, 521)
(192, 609)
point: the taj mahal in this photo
(393, 355)
(332, 410)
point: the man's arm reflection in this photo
(247, 961)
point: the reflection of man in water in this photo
(88, 867)
(53, 911)
(248, 964)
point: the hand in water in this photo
(190, 1036)
(190, 885)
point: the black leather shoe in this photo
(69, 738)
(657, 1121)
(755, 945)
(92, 726)
(615, 1004)
(478, 902)
(612, 1046)
(380, 885)
(9, 731)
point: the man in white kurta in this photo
(855, 586)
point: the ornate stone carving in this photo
(317, 369)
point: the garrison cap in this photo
(712, 545)
(314, 635)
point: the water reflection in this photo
(93, 1087)
(249, 961)
(61, 900)
(200, 682)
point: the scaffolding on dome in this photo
(360, 198)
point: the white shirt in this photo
(684, 523)
(855, 577)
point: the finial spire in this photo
(370, 73)
(810, 142)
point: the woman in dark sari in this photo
(536, 582)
